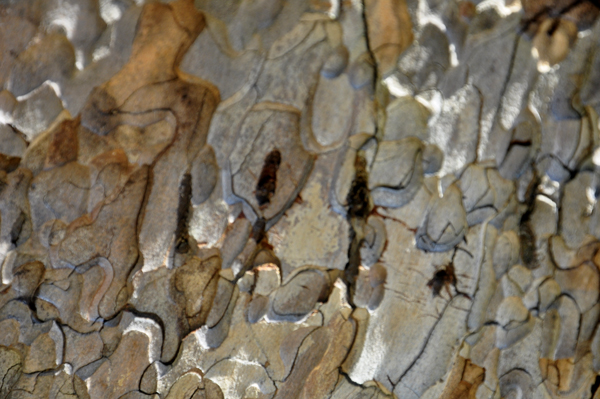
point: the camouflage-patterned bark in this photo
(299, 199)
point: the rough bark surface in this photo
(299, 199)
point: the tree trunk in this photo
(299, 199)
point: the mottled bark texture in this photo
(299, 199)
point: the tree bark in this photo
(299, 199)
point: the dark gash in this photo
(267, 181)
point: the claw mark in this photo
(358, 196)
(526, 234)
(181, 232)
(265, 187)
(258, 230)
(359, 207)
(443, 278)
